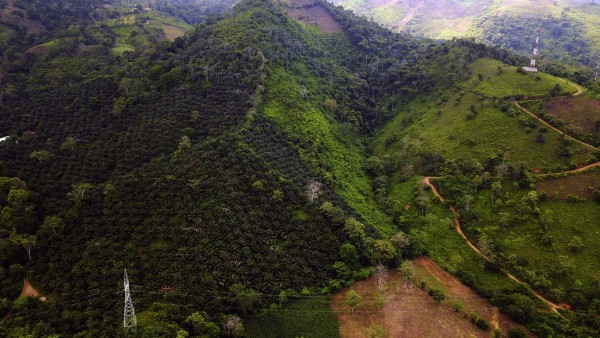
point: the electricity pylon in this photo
(129, 320)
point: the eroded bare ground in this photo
(408, 311)
(458, 292)
(312, 13)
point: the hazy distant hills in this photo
(569, 28)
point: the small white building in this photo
(5, 138)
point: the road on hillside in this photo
(553, 306)
(579, 91)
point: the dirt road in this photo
(553, 306)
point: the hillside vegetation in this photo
(258, 163)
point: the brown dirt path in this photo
(553, 306)
(526, 111)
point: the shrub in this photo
(479, 322)
(437, 295)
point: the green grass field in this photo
(311, 317)
(498, 81)
(122, 48)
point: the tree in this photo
(575, 244)
(352, 299)
(407, 269)
(184, 144)
(496, 189)
(245, 297)
(69, 144)
(380, 273)
(422, 202)
(349, 256)
(53, 222)
(468, 200)
(25, 240)
(41, 155)
(354, 229)
(125, 85)
(233, 326)
(202, 326)
(313, 189)
(383, 251)
(78, 193)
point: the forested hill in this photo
(227, 170)
(182, 162)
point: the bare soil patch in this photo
(408, 311)
(580, 185)
(458, 293)
(36, 50)
(576, 112)
(172, 32)
(313, 13)
(32, 25)
(29, 290)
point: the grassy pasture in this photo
(499, 80)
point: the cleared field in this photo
(403, 309)
(313, 13)
(580, 185)
(466, 125)
(407, 311)
(172, 32)
(576, 112)
(122, 48)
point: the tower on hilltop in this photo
(536, 47)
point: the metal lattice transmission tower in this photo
(129, 319)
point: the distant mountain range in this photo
(570, 29)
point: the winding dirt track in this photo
(427, 181)
(579, 91)
(553, 306)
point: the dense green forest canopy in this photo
(228, 170)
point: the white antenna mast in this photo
(536, 47)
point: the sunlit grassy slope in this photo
(324, 145)
(498, 80)
(469, 125)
